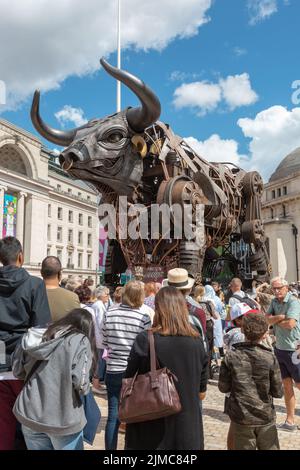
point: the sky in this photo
(226, 71)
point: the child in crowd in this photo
(234, 334)
(55, 364)
(251, 374)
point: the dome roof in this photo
(289, 165)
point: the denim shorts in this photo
(287, 368)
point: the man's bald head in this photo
(51, 268)
(235, 285)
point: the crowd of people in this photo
(64, 340)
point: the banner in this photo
(9, 216)
(103, 243)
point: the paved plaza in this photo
(215, 422)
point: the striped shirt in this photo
(121, 325)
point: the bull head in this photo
(104, 151)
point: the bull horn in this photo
(63, 138)
(141, 117)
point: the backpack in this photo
(246, 300)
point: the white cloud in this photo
(215, 149)
(274, 133)
(235, 91)
(260, 10)
(200, 95)
(42, 43)
(69, 114)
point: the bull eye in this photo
(115, 137)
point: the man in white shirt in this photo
(236, 289)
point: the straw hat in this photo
(179, 278)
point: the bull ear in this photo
(141, 117)
(63, 138)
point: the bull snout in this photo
(69, 157)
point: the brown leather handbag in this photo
(149, 396)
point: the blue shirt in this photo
(290, 307)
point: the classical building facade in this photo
(50, 213)
(281, 214)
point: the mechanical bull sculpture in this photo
(132, 154)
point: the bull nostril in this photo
(61, 159)
(74, 157)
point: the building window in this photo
(49, 210)
(69, 190)
(279, 192)
(59, 254)
(80, 237)
(59, 187)
(284, 190)
(49, 232)
(79, 194)
(89, 240)
(70, 216)
(88, 198)
(59, 213)
(89, 261)
(59, 234)
(283, 211)
(80, 219)
(90, 223)
(70, 264)
(273, 194)
(272, 213)
(79, 260)
(48, 251)
(70, 236)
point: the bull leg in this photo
(252, 228)
(191, 258)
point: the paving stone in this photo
(215, 422)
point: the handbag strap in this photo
(152, 352)
(153, 362)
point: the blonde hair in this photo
(199, 293)
(171, 314)
(117, 296)
(149, 288)
(133, 294)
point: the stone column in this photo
(20, 217)
(2, 191)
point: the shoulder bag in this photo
(149, 396)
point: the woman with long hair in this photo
(55, 365)
(180, 348)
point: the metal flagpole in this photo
(119, 57)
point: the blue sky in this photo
(222, 69)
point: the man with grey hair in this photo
(284, 315)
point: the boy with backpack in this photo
(251, 374)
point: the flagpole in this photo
(119, 57)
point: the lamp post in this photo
(295, 233)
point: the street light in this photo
(295, 233)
